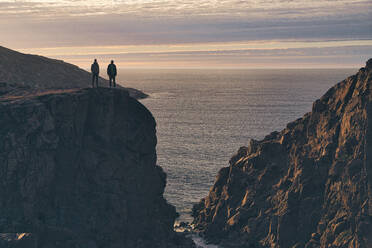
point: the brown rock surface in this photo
(22, 74)
(78, 169)
(306, 186)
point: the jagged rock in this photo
(24, 74)
(307, 186)
(78, 169)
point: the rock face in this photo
(24, 74)
(306, 186)
(78, 169)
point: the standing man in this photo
(111, 72)
(95, 72)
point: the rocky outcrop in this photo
(24, 74)
(306, 186)
(78, 169)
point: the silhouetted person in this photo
(111, 72)
(95, 72)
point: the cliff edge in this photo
(306, 186)
(78, 169)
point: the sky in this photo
(192, 33)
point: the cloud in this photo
(177, 8)
(253, 46)
(124, 30)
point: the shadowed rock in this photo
(78, 169)
(306, 186)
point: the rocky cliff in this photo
(22, 74)
(306, 186)
(78, 169)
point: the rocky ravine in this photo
(78, 169)
(24, 74)
(306, 186)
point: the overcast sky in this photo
(194, 33)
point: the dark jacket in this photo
(111, 70)
(95, 68)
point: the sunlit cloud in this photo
(194, 47)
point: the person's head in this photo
(112, 61)
(95, 60)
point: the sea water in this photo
(204, 116)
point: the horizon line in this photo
(233, 68)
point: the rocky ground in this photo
(27, 74)
(309, 185)
(78, 169)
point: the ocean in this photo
(204, 116)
